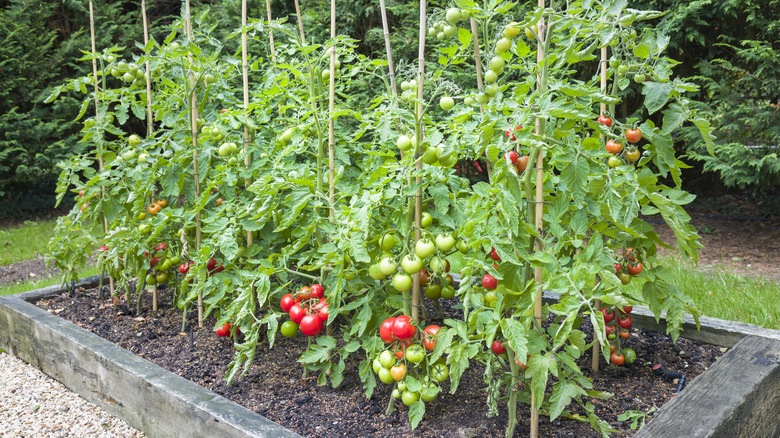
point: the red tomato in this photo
(311, 325)
(296, 313)
(425, 279)
(617, 268)
(403, 328)
(303, 294)
(494, 254)
(287, 302)
(610, 329)
(511, 157)
(498, 347)
(429, 336)
(606, 121)
(511, 135)
(323, 313)
(628, 309)
(609, 315)
(386, 330)
(317, 291)
(617, 359)
(625, 322)
(224, 331)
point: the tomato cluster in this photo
(629, 266)
(308, 310)
(161, 260)
(409, 354)
(227, 330)
(617, 325)
(614, 146)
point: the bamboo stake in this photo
(149, 120)
(271, 33)
(477, 56)
(97, 120)
(539, 206)
(594, 364)
(418, 198)
(194, 124)
(300, 21)
(331, 127)
(245, 75)
(386, 30)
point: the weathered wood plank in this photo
(739, 396)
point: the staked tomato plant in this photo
(254, 225)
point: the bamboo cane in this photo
(194, 125)
(477, 56)
(539, 207)
(271, 33)
(419, 126)
(594, 364)
(149, 119)
(386, 30)
(331, 123)
(97, 119)
(245, 76)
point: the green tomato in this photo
(469, 101)
(402, 282)
(446, 103)
(386, 359)
(483, 98)
(622, 69)
(411, 264)
(387, 241)
(463, 247)
(491, 77)
(289, 329)
(385, 376)
(429, 393)
(225, 150)
(396, 393)
(445, 242)
(640, 78)
(424, 248)
(429, 157)
(326, 75)
(630, 355)
(431, 33)
(433, 291)
(409, 397)
(375, 365)
(447, 292)
(497, 63)
(128, 77)
(440, 372)
(511, 30)
(287, 136)
(503, 45)
(450, 31)
(453, 15)
(426, 220)
(415, 353)
(209, 79)
(404, 143)
(437, 265)
(614, 161)
(491, 90)
(387, 266)
(134, 140)
(375, 272)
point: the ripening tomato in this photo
(625, 334)
(624, 277)
(398, 372)
(303, 294)
(521, 164)
(632, 155)
(154, 209)
(633, 135)
(616, 359)
(629, 254)
(429, 336)
(614, 147)
(634, 269)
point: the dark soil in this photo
(274, 388)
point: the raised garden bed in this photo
(160, 401)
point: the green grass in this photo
(39, 283)
(25, 242)
(721, 293)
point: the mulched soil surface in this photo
(274, 388)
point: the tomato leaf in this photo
(416, 413)
(562, 395)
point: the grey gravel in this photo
(34, 405)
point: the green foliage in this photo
(731, 49)
(256, 221)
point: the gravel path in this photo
(34, 405)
